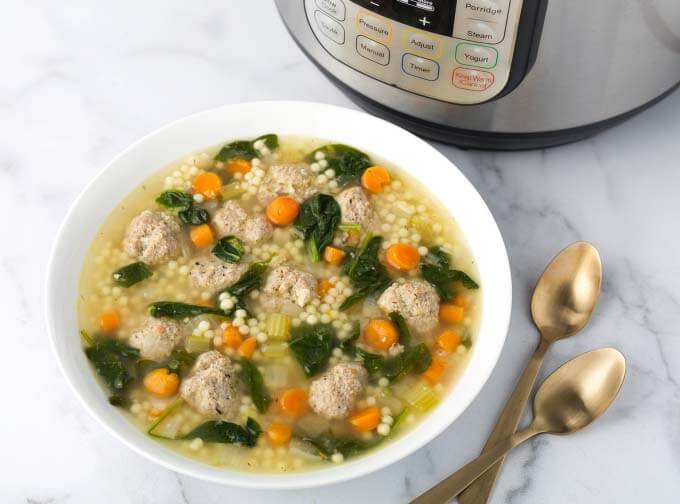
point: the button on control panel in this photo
(372, 50)
(457, 51)
(335, 8)
(329, 27)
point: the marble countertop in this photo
(82, 80)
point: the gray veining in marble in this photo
(80, 80)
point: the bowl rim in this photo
(113, 421)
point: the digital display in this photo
(435, 16)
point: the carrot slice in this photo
(293, 401)
(202, 236)
(375, 178)
(208, 184)
(448, 340)
(248, 346)
(109, 321)
(333, 255)
(451, 313)
(381, 334)
(161, 382)
(366, 420)
(279, 434)
(434, 373)
(231, 337)
(324, 286)
(238, 166)
(402, 256)
(282, 210)
(460, 300)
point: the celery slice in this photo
(420, 396)
(278, 326)
(197, 344)
(231, 191)
(274, 351)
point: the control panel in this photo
(457, 51)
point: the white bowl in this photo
(336, 124)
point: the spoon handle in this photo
(450, 487)
(480, 491)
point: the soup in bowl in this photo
(288, 301)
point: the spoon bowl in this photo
(568, 400)
(579, 391)
(567, 292)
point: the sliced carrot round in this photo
(109, 321)
(403, 256)
(161, 382)
(208, 184)
(293, 401)
(381, 334)
(279, 434)
(451, 313)
(434, 373)
(247, 348)
(324, 286)
(202, 236)
(283, 210)
(366, 420)
(238, 166)
(333, 255)
(375, 178)
(448, 340)
(231, 337)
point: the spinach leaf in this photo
(326, 446)
(347, 345)
(111, 360)
(312, 346)
(254, 382)
(347, 162)
(188, 213)
(271, 141)
(435, 269)
(402, 328)
(175, 199)
(194, 216)
(179, 311)
(245, 149)
(180, 360)
(366, 273)
(229, 248)
(416, 359)
(131, 274)
(241, 149)
(318, 218)
(250, 280)
(219, 431)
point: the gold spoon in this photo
(563, 301)
(569, 399)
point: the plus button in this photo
(424, 21)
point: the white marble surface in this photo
(81, 80)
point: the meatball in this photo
(288, 284)
(157, 338)
(232, 219)
(213, 274)
(416, 300)
(294, 180)
(333, 394)
(153, 237)
(354, 206)
(212, 388)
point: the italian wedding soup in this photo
(278, 304)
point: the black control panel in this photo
(434, 16)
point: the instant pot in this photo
(496, 74)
